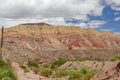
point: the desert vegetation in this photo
(25, 68)
(57, 63)
(52, 70)
(115, 57)
(43, 71)
(76, 74)
(6, 72)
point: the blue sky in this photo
(109, 15)
(102, 15)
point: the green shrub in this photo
(57, 63)
(46, 72)
(83, 73)
(33, 64)
(73, 74)
(57, 73)
(114, 58)
(3, 64)
(87, 73)
(46, 65)
(90, 74)
(43, 71)
(36, 70)
(25, 68)
(84, 70)
(6, 72)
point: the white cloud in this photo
(115, 4)
(52, 21)
(90, 24)
(95, 23)
(117, 33)
(107, 30)
(117, 19)
(116, 13)
(47, 9)
(13, 22)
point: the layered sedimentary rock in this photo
(44, 41)
(70, 36)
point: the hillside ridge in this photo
(49, 42)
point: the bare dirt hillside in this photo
(44, 43)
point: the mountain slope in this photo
(43, 41)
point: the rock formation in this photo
(110, 71)
(44, 41)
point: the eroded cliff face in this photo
(68, 37)
(36, 40)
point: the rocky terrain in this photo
(107, 71)
(30, 75)
(110, 71)
(45, 43)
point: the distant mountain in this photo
(38, 24)
(50, 42)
